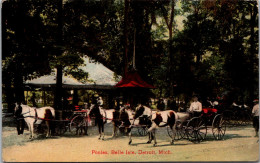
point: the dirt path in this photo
(240, 145)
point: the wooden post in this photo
(75, 97)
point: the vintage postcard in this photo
(130, 80)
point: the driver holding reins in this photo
(195, 107)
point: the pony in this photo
(130, 119)
(182, 117)
(163, 119)
(158, 119)
(103, 116)
(35, 116)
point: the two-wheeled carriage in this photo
(76, 123)
(196, 129)
(80, 122)
(237, 117)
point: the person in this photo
(161, 105)
(236, 105)
(208, 102)
(86, 105)
(172, 105)
(95, 105)
(150, 103)
(181, 107)
(33, 100)
(255, 113)
(118, 103)
(100, 101)
(215, 103)
(94, 99)
(20, 123)
(65, 101)
(195, 107)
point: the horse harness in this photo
(36, 117)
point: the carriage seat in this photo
(209, 110)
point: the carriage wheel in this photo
(218, 127)
(247, 118)
(180, 132)
(143, 131)
(229, 117)
(243, 119)
(238, 118)
(196, 129)
(78, 125)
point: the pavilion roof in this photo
(100, 77)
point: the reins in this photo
(30, 116)
(36, 118)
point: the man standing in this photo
(20, 123)
(255, 113)
(195, 107)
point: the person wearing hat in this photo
(195, 107)
(94, 99)
(255, 113)
(100, 101)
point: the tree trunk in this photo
(126, 19)
(9, 94)
(58, 92)
(253, 52)
(171, 64)
(18, 84)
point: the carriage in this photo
(76, 123)
(197, 128)
(79, 121)
(237, 116)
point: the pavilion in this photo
(100, 78)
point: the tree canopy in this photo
(182, 47)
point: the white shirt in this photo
(196, 107)
(255, 110)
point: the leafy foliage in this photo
(215, 51)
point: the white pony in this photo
(35, 116)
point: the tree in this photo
(169, 23)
